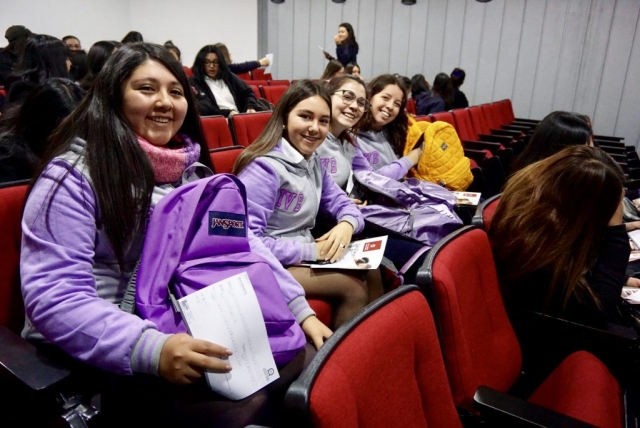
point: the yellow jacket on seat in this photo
(442, 161)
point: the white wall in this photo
(190, 24)
(545, 55)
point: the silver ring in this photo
(341, 245)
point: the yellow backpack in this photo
(442, 160)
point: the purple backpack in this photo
(415, 208)
(198, 235)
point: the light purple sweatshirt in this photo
(71, 282)
(285, 194)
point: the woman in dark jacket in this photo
(219, 91)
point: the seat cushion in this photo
(582, 387)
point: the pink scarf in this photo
(170, 161)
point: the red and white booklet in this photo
(363, 254)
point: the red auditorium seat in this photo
(12, 196)
(216, 131)
(259, 74)
(187, 71)
(482, 355)
(245, 127)
(224, 158)
(256, 91)
(395, 380)
(257, 83)
(411, 106)
(485, 211)
(279, 83)
(245, 76)
(273, 93)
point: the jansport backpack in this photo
(442, 161)
(198, 235)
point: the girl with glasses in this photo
(287, 187)
(218, 90)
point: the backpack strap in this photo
(128, 303)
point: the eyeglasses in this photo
(208, 63)
(349, 97)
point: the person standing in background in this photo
(346, 45)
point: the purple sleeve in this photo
(262, 184)
(291, 289)
(58, 284)
(337, 204)
(396, 170)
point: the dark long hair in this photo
(457, 77)
(333, 67)
(132, 37)
(557, 130)
(44, 57)
(553, 215)
(442, 86)
(198, 63)
(120, 171)
(418, 85)
(97, 56)
(351, 37)
(396, 130)
(274, 130)
(27, 127)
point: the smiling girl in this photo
(135, 137)
(383, 130)
(287, 187)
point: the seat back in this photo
(216, 131)
(12, 198)
(478, 342)
(478, 121)
(464, 125)
(245, 127)
(257, 83)
(411, 106)
(508, 108)
(484, 212)
(443, 116)
(244, 76)
(491, 115)
(256, 91)
(424, 118)
(259, 74)
(273, 93)
(397, 379)
(188, 71)
(223, 158)
(279, 83)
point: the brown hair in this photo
(275, 127)
(552, 216)
(396, 130)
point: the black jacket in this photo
(243, 96)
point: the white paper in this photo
(364, 254)
(228, 313)
(467, 198)
(267, 69)
(635, 237)
(631, 295)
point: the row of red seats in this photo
(449, 359)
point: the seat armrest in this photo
(495, 138)
(532, 121)
(22, 362)
(500, 409)
(608, 138)
(481, 145)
